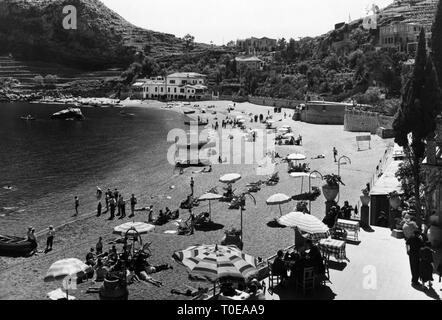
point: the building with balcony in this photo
(253, 63)
(176, 86)
(400, 35)
(257, 45)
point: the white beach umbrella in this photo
(131, 228)
(209, 197)
(306, 223)
(303, 175)
(288, 135)
(64, 269)
(296, 157)
(230, 178)
(278, 199)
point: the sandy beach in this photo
(23, 278)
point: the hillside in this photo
(32, 30)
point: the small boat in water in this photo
(14, 246)
(69, 114)
(27, 118)
(189, 111)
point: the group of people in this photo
(133, 267)
(32, 238)
(421, 259)
(294, 263)
(335, 213)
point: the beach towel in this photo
(170, 232)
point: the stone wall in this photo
(365, 121)
(275, 102)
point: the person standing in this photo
(122, 206)
(335, 154)
(99, 246)
(99, 207)
(117, 197)
(133, 202)
(119, 202)
(192, 183)
(107, 198)
(414, 245)
(150, 214)
(77, 204)
(50, 239)
(33, 240)
(112, 204)
(426, 264)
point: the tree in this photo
(39, 80)
(436, 42)
(189, 42)
(415, 120)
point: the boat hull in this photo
(14, 247)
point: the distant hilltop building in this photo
(257, 45)
(176, 86)
(400, 35)
(253, 63)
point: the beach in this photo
(23, 278)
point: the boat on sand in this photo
(11, 246)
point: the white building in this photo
(182, 86)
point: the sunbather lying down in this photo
(321, 156)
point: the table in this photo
(350, 225)
(334, 248)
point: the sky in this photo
(220, 21)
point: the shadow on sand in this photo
(208, 227)
(275, 225)
(430, 292)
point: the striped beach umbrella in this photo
(307, 223)
(215, 262)
(278, 199)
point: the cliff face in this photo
(33, 30)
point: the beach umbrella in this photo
(307, 223)
(132, 228)
(62, 269)
(278, 199)
(209, 197)
(303, 175)
(214, 262)
(230, 178)
(296, 157)
(288, 135)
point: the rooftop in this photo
(248, 59)
(186, 75)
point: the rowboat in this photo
(14, 246)
(189, 111)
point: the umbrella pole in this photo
(280, 211)
(210, 211)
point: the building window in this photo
(174, 90)
(181, 90)
(156, 89)
(162, 89)
(168, 89)
(172, 81)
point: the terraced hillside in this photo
(33, 30)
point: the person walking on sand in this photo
(77, 204)
(50, 239)
(335, 154)
(112, 205)
(192, 183)
(133, 202)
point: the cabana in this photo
(382, 187)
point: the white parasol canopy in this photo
(278, 199)
(296, 157)
(134, 227)
(230, 178)
(306, 223)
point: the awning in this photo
(388, 182)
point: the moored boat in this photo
(27, 118)
(189, 111)
(11, 246)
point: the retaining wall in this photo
(366, 121)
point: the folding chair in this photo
(274, 280)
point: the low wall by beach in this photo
(275, 102)
(365, 121)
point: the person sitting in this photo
(316, 258)
(90, 258)
(227, 289)
(346, 211)
(279, 266)
(101, 271)
(113, 255)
